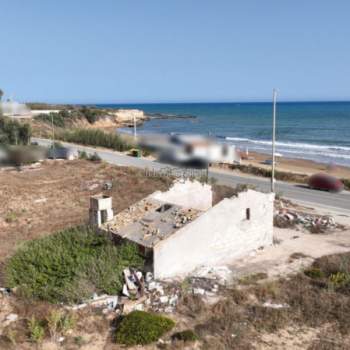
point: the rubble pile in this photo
(314, 223)
(184, 216)
(132, 214)
(143, 293)
(148, 293)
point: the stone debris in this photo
(142, 292)
(5, 291)
(275, 305)
(107, 186)
(40, 200)
(219, 275)
(9, 319)
(314, 223)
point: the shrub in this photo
(95, 157)
(83, 155)
(346, 183)
(142, 328)
(36, 330)
(95, 137)
(59, 322)
(186, 336)
(314, 272)
(339, 279)
(14, 133)
(57, 119)
(70, 265)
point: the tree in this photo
(1, 94)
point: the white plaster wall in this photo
(188, 194)
(218, 236)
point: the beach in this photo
(297, 166)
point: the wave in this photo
(290, 144)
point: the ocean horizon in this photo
(316, 130)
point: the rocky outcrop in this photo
(128, 115)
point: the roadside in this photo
(225, 177)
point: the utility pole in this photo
(208, 156)
(273, 141)
(135, 135)
(53, 137)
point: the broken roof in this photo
(149, 221)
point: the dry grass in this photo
(56, 196)
(315, 302)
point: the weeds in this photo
(36, 330)
(11, 217)
(187, 335)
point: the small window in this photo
(247, 213)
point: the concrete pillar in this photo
(100, 210)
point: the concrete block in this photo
(101, 202)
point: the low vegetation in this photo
(318, 298)
(66, 117)
(95, 137)
(187, 335)
(70, 266)
(14, 133)
(141, 328)
(280, 175)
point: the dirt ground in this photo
(55, 195)
(44, 199)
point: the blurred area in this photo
(21, 155)
(189, 150)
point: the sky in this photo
(129, 51)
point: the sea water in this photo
(317, 131)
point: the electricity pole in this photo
(53, 137)
(135, 135)
(273, 141)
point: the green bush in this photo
(14, 133)
(314, 272)
(346, 183)
(83, 155)
(95, 137)
(142, 328)
(70, 265)
(36, 330)
(95, 157)
(186, 336)
(57, 119)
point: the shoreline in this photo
(297, 165)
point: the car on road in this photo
(325, 182)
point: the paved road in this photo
(339, 201)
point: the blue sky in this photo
(174, 51)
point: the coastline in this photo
(297, 166)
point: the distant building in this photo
(180, 230)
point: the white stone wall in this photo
(188, 194)
(218, 236)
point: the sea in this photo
(318, 131)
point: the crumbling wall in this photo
(188, 194)
(229, 230)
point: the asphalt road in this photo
(335, 201)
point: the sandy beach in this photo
(297, 166)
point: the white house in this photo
(181, 230)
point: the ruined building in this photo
(181, 230)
